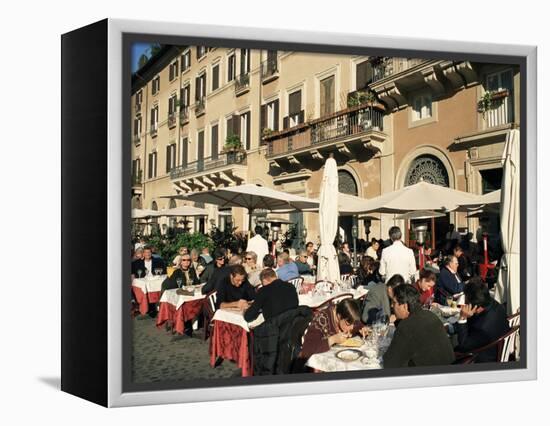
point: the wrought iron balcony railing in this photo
(269, 68)
(154, 130)
(384, 67)
(209, 163)
(171, 120)
(200, 106)
(184, 115)
(242, 83)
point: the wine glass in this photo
(139, 271)
(179, 281)
(146, 271)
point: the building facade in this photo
(388, 122)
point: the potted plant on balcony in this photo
(491, 99)
(232, 147)
(266, 132)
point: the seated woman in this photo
(425, 286)
(330, 326)
(372, 251)
(345, 263)
(251, 267)
(368, 272)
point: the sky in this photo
(137, 50)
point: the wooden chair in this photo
(297, 283)
(513, 319)
(504, 345)
(335, 300)
(208, 310)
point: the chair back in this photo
(297, 283)
(210, 303)
(335, 300)
(513, 319)
(504, 345)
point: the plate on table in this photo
(352, 342)
(349, 355)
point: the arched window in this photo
(136, 202)
(428, 169)
(346, 183)
(154, 207)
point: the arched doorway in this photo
(429, 168)
(346, 185)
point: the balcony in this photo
(172, 120)
(355, 132)
(496, 109)
(386, 67)
(136, 139)
(184, 115)
(153, 131)
(269, 70)
(137, 182)
(242, 84)
(227, 168)
(200, 106)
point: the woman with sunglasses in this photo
(251, 267)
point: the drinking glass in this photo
(139, 271)
(179, 281)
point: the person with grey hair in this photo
(397, 258)
(301, 263)
(286, 270)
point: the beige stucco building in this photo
(292, 110)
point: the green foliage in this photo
(168, 247)
(361, 97)
(486, 102)
(232, 143)
(228, 239)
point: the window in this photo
(172, 105)
(170, 157)
(327, 96)
(173, 70)
(139, 98)
(201, 51)
(214, 142)
(233, 126)
(245, 129)
(245, 61)
(363, 75)
(295, 111)
(200, 87)
(185, 95)
(231, 67)
(136, 169)
(183, 151)
(137, 126)
(185, 60)
(270, 116)
(200, 148)
(499, 81)
(152, 171)
(215, 77)
(154, 119)
(155, 85)
(422, 107)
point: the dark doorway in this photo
(346, 185)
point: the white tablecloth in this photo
(327, 361)
(170, 296)
(149, 284)
(236, 317)
(315, 300)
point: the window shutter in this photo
(215, 77)
(301, 117)
(184, 152)
(248, 130)
(243, 61)
(285, 122)
(276, 113)
(167, 158)
(214, 147)
(263, 117)
(175, 68)
(187, 95)
(295, 103)
(182, 99)
(200, 146)
(150, 169)
(152, 117)
(203, 85)
(237, 125)
(170, 109)
(136, 127)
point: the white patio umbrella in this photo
(490, 199)
(183, 211)
(327, 267)
(251, 197)
(420, 196)
(419, 214)
(508, 284)
(143, 213)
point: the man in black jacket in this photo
(482, 320)
(275, 297)
(420, 338)
(209, 275)
(149, 265)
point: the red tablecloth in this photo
(188, 311)
(143, 299)
(229, 341)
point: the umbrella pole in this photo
(249, 222)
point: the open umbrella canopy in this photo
(183, 211)
(420, 214)
(143, 213)
(250, 196)
(420, 196)
(489, 199)
(327, 267)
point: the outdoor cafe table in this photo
(147, 290)
(178, 308)
(329, 362)
(230, 338)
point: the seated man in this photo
(482, 320)
(235, 291)
(149, 265)
(420, 338)
(464, 269)
(286, 270)
(274, 298)
(377, 301)
(448, 283)
(302, 265)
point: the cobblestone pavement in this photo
(157, 358)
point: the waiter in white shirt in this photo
(397, 259)
(258, 245)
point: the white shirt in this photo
(149, 266)
(258, 245)
(372, 253)
(397, 259)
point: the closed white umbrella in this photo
(327, 267)
(508, 284)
